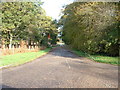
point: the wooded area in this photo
(92, 27)
(88, 26)
(26, 22)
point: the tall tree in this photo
(24, 21)
(91, 26)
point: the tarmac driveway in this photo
(61, 69)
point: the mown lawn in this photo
(21, 58)
(99, 58)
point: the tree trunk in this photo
(3, 44)
(11, 38)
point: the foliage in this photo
(91, 27)
(25, 21)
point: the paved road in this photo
(61, 69)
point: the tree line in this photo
(92, 27)
(26, 21)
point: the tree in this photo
(24, 21)
(91, 26)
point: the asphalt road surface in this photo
(61, 69)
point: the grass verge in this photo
(21, 58)
(99, 58)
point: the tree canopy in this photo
(26, 21)
(91, 27)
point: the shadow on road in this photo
(5, 87)
(62, 52)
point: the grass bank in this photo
(99, 58)
(21, 58)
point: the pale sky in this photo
(53, 7)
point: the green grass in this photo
(21, 58)
(99, 58)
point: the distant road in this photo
(61, 69)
